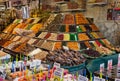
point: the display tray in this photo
(110, 76)
(76, 68)
(94, 65)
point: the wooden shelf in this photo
(98, 4)
(61, 2)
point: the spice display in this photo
(16, 38)
(94, 35)
(55, 24)
(83, 28)
(62, 28)
(48, 45)
(58, 45)
(47, 35)
(80, 19)
(42, 35)
(65, 57)
(10, 28)
(41, 56)
(69, 19)
(104, 50)
(94, 28)
(73, 37)
(53, 36)
(66, 37)
(60, 37)
(73, 45)
(88, 44)
(72, 28)
(83, 37)
(39, 43)
(36, 27)
(31, 41)
(92, 53)
(78, 29)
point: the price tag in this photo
(38, 62)
(117, 79)
(58, 74)
(56, 65)
(82, 78)
(109, 67)
(102, 67)
(65, 48)
(118, 66)
(98, 79)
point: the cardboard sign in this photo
(98, 79)
(82, 78)
(58, 74)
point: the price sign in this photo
(82, 78)
(35, 63)
(118, 66)
(102, 67)
(109, 65)
(98, 79)
(56, 65)
(58, 74)
(116, 79)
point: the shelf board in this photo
(98, 3)
(61, 2)
(72, 10)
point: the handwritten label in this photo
(58, 74)
(98, 79)
(82, 78)
(102, 67)
(56, 65)
(116, 79)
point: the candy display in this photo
(92, 53)
(65, 57)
